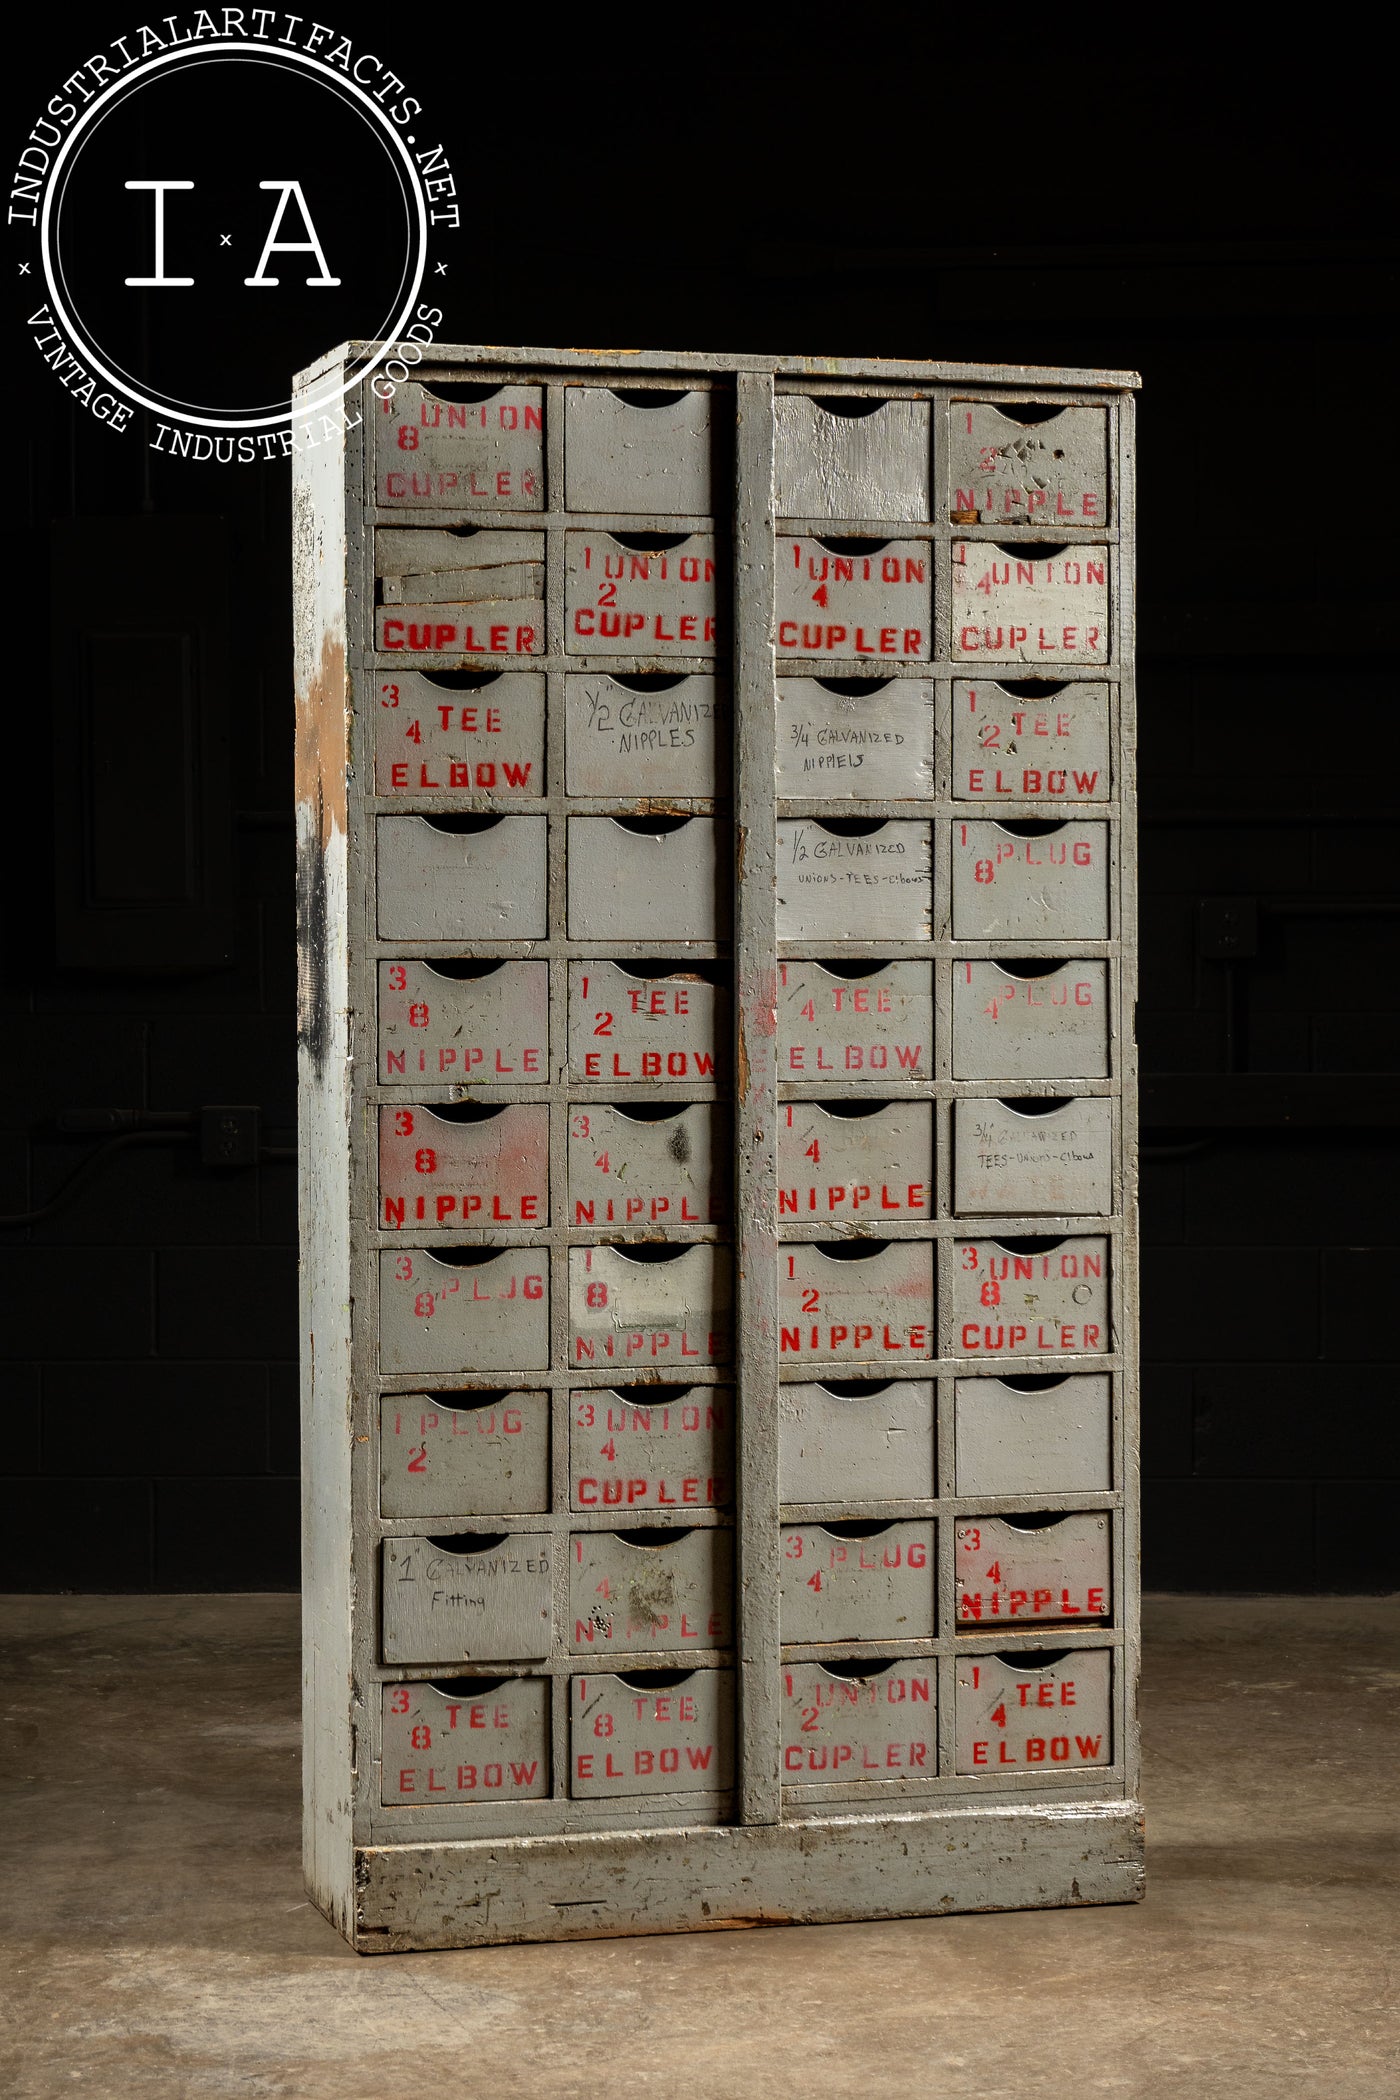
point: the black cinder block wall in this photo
(1222, 240)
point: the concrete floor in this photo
(155, 1941)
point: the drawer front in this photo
(490, 1316)
(1022, 1302)
(844, 736)
(492, 1028)
(874, 1588)
(1011, 1575)
(1010, 887)
(623, 1171)
(447, 885)
(453, 455)
(464, 1604)
(627, 885)
(463, 1455)
(1008, 1026)
(880, 1724)
(624, 1026)
(475, 1740)
(644, 451)
(1054, 1440)
(672, 1593)
(1026, 606)
(869, 1444)
(627, 601)
(872, 1167)
(875, 604)
(1046, 746)
(653, 735)
(438, 1173)
(651, 1447)
(870, 461)
(1050, 471)
(647, 1314)
(481, 746)
(1030, 1715)
(868, 1028)
(875, 886)
(632, 1735)
(1009, 1160)
(850, 1311)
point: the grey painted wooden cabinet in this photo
(717, 1093)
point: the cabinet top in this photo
(440, 358)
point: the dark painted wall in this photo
(1225, 240)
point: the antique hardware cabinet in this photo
(717, 1101)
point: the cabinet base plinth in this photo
(615, 1884)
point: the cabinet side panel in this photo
(323, 1109)
(1130, 1576)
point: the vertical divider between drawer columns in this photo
(755, 1102)
(557, 1238)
